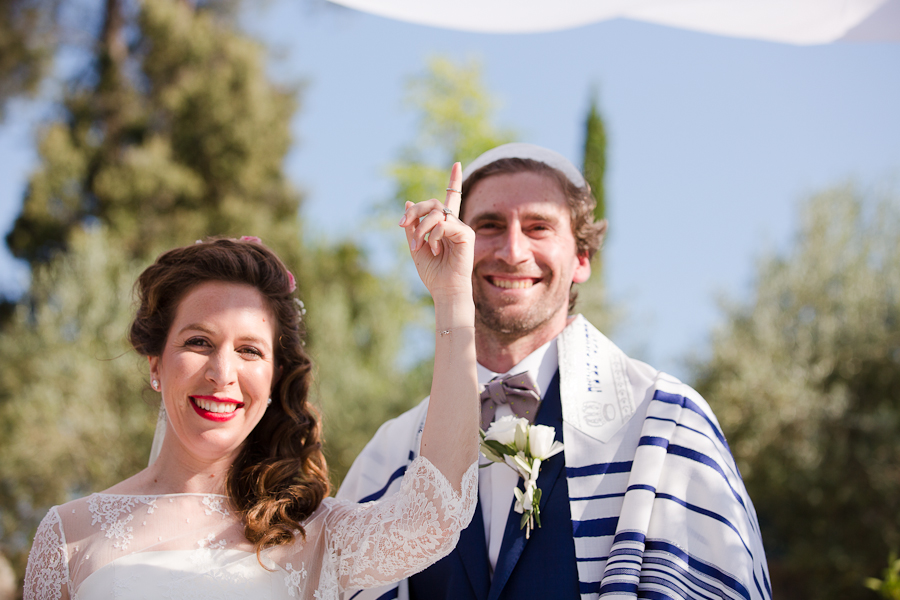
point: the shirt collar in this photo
(540, 364)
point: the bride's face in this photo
(216, 370)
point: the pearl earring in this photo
(269, 402)
(154, 384)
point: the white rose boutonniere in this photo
(522, 447)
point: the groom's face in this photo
(525, 253)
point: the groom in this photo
(645, 500)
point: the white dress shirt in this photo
(496, 482)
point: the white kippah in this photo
(521, 150)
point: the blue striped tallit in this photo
(674, 521)
(658, 507)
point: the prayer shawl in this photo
(658, 506)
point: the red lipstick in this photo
(214, 416)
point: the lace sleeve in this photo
(380, 542)
(46, 576)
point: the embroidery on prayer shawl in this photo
(657, 503)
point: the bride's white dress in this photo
(191, 546)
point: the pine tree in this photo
(27, 41)
(169, 155)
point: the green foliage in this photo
(455, 124)
(889, 587)
(27, 42)
(72, 419)
(804, 381)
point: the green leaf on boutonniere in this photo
(525, 516)
(498, 447)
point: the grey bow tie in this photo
(519, 391)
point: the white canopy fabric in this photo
(790, 21)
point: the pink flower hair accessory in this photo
(251, 238)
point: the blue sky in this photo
(713, 141)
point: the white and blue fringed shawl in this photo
(658, 506)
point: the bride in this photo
(235, 505)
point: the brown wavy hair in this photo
(588, 233)
(279, 477)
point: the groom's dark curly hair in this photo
(279, 477)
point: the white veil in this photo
(159, 434)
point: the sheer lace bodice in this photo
(192, 545)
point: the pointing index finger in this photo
(454, 190)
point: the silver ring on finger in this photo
(457, 191)
(447, 211)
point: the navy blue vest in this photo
(540, 567)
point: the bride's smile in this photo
(215, 409)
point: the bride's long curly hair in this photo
(279, 477)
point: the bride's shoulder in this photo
(73, 506)
(139, 484)
(95, 506)
(64, 517)
(78, 506)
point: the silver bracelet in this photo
(448, 331)
(444, 332)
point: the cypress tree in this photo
(592, 301)
(594, 163)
